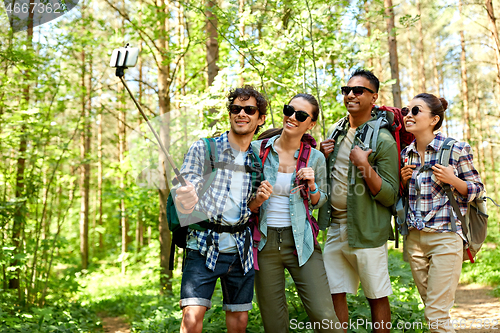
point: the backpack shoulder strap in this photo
(444, 153)
(211, 158)
(444, 159)
(264, 151)
(339, 127)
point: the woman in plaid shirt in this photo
(436, 252)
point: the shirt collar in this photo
(226, 146)
(435, 144)
(273, 140)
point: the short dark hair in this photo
(313, 101)
(367, 75)
(437, 106)
(244, 94)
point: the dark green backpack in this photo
(179, 233)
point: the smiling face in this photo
(423, 121)
(242, 123)
(291, 125)
(360, 105)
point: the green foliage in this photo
(486, 269)
(135, 295)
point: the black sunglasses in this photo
(414, 111)
(249, 109)
(357, 90)
(301, 116)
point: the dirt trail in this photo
(474, 301)
(115, 325)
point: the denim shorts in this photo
(198, 282)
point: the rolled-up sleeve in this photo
(386, 166)
(320, 179)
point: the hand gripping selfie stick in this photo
(123, 58)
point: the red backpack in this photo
(306, 144)
(383, 117)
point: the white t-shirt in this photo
(232, 210)
(278, 210)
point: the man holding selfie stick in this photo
(225, 251)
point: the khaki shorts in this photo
(346, 266)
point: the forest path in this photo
(114, 324)
(474, 301)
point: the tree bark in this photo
(212, 42)
(465, 86)
(494, 32)
(19, 214)
(421, 59)
(393, 53)
(84, 171)
(164, 102)
(479, 132)
(410, 64)
(241, 10)
(99, 165)
(368, 31)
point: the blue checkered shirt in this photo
(435, 207)
(213, 201)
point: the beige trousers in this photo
(436, 263)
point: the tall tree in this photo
(465, 85)
(241, 11)
(19, 214)
(393, 53)
(164, 103)
(421, 59)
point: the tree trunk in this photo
(212, 42)
(164, 103)
(421, 59)
(368, 31)
(479, 132)
(410, 64)
(84, 173)
(99, 166)
(241, 10)
(19, 214)
(465, 87)
(494, 32)
(393, 53)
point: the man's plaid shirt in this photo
(435, 207)
(213, 201)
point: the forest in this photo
(83, 188)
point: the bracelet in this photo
(316, 190)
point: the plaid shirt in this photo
(213, 201)
(434, 204)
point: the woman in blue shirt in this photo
(287, 238)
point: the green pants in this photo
(310, 280)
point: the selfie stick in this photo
(120, 72)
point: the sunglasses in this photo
(249, 109)
(357, 90)
(301, 116)
(414, 111)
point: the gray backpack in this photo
(475, 221)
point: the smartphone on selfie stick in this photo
(122, 59)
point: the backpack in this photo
(306, 145)
(383, 117)
(474, 223)
(198, 220)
